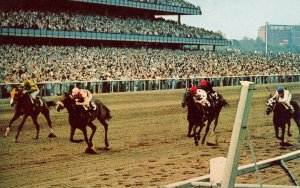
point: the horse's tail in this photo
(50, 103)
(108, 116)
(225, 103)
(222, 101)
(296, 114)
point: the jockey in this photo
(32, 89)
(83, 95)
(206, 86)
(200, 96)
(193, 90)
(284, 96)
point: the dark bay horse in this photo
(282, 116)
(197, 115)
(79, 120)
(24, 106)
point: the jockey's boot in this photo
(292, 109)
(37, 102)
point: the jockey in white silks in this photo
(284, 96)
(201, 98)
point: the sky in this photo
(242, 18)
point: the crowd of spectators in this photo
(67, 21)
(69, 63)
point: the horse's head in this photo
(65, 101)
(15, 94)
(187, 99)
(270, 104)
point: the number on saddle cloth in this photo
(93, 105)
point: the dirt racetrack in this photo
(148, 144)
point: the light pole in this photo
(266, 29)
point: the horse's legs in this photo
(105, 125)
(206, 131)
(276, 127)
(297, 121)
(37, 126)
(20, 127)
(289, 129)
(47, 116)
(94, 128)
(16, 116)
(190, 130)
(72, 132)
(216, 122)
(195, 134)
(282, 133)
(89, 148)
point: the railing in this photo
(86, 35)
(111, 86)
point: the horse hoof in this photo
(51, 135)
(285, 144)
(289, 134)
(15, 141)
(6, 132)
(90, 151)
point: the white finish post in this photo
(238, 134)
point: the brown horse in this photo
(24, 105)
(80, 119)
(197, 116)
(282, 117)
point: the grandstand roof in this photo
(150, 8)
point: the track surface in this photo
(148, 144)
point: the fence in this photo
(131, 85)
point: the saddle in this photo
(37, 102)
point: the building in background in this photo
(280, 35)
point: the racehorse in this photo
(282, 116)
(24, 106)
(78, 119)
(197, 112)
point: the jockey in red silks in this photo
(284, 96)
(83, 97)
(206, 86)
(193, 90)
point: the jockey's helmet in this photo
(75, 91)
(203, 83)
(193, 89)
(280, 89)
